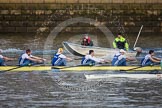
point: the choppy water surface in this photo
(71, 90)
(66, 90)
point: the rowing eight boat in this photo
(80, 68)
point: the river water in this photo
(73, 90)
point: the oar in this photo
(18, 68)
(77, 58)
(11, 69)
(138, 37)
(138, 67)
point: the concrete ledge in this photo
(152, 1)
(80, 1)
(128, 1)
(50, 1)
(4, 1)
(83, 1)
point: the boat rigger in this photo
(79, 68)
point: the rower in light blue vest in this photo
(27, 59)
(59, 59)
(150, 59)
(120, 59)
(90, 59)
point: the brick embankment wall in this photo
(29, 16)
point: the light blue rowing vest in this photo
(115, 59)
(56, 59)
(145, 60)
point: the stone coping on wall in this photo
(80, 1)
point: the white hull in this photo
(80, 50)
(137, 76)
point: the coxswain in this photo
(150, 59)
(120, 42)
(60, 59)
(27, 59)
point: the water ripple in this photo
(41, 89)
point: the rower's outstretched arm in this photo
(131, 59)
(154, 60)
(69, 59)
(39, 58)
(34, 59)
(7, 58)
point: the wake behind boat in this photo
(80, 50)
(124, 75)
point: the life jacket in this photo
(56, 59)
(120, 42)
(88, 41)
(120, 45)
(85, 43)
(115, 59)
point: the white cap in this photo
(121, 50)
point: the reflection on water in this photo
(46, 89)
